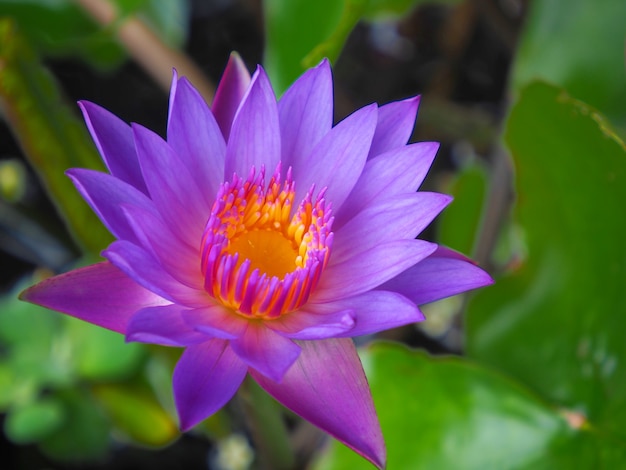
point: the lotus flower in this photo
(261, 238)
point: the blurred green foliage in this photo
(578, 45)
(453, 413)
(51, 135)
(60, 28)
(459, 224)
(64, 383)
(554, 322)
(300, 33)
(294, 28)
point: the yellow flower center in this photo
(257, 258)
(267, 250)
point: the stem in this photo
(266, 424)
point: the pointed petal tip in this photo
(379, 457)
(267, 352)
(414, 101)
(409, 105)
(478, 276)
(186, 423)
(188, 417)
(230, 92)
(86, 106)
(375, 451)
(431, 146)
(443, 274)
(235, 59)
(260, 78)
(74, 175)
(486, 278)
(205, 379)
(35, 294)
(79, 293)
(26, 294)
(83, 104)
(324, 64)
(328, 387)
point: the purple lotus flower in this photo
(261, 239)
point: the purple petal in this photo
(327, 386)
(180, 260)
(86, 293)
(306, 113)
(162, 325)
(181, 202)
(395, 172)
(195, 136)
(173, 87)
(374, 311)
(317, 324)
(369, 269)
(338, 159)
(398, 218)
(114, 140)
(216, 321)
(205, 379)
(265, 351)
(255, 135)
(395, 125)
(141, 266)
(230, 91)
(442, 274)
(106, 194)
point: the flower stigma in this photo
(258, 258)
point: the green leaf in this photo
(34, 421)
(24, 323)
(135, 411)
(129, 7)
(578, 45)
(293, 29)
(7, 385)
(459, 223)
(557, 322)
(102, 355)
(168, 18)
(450, 413)
(300, 33)
(50, 135)
(84, 434)
(61, 28)
(35, 349)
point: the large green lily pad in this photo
(452, 413)
(557, 322)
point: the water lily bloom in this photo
(261, 238)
